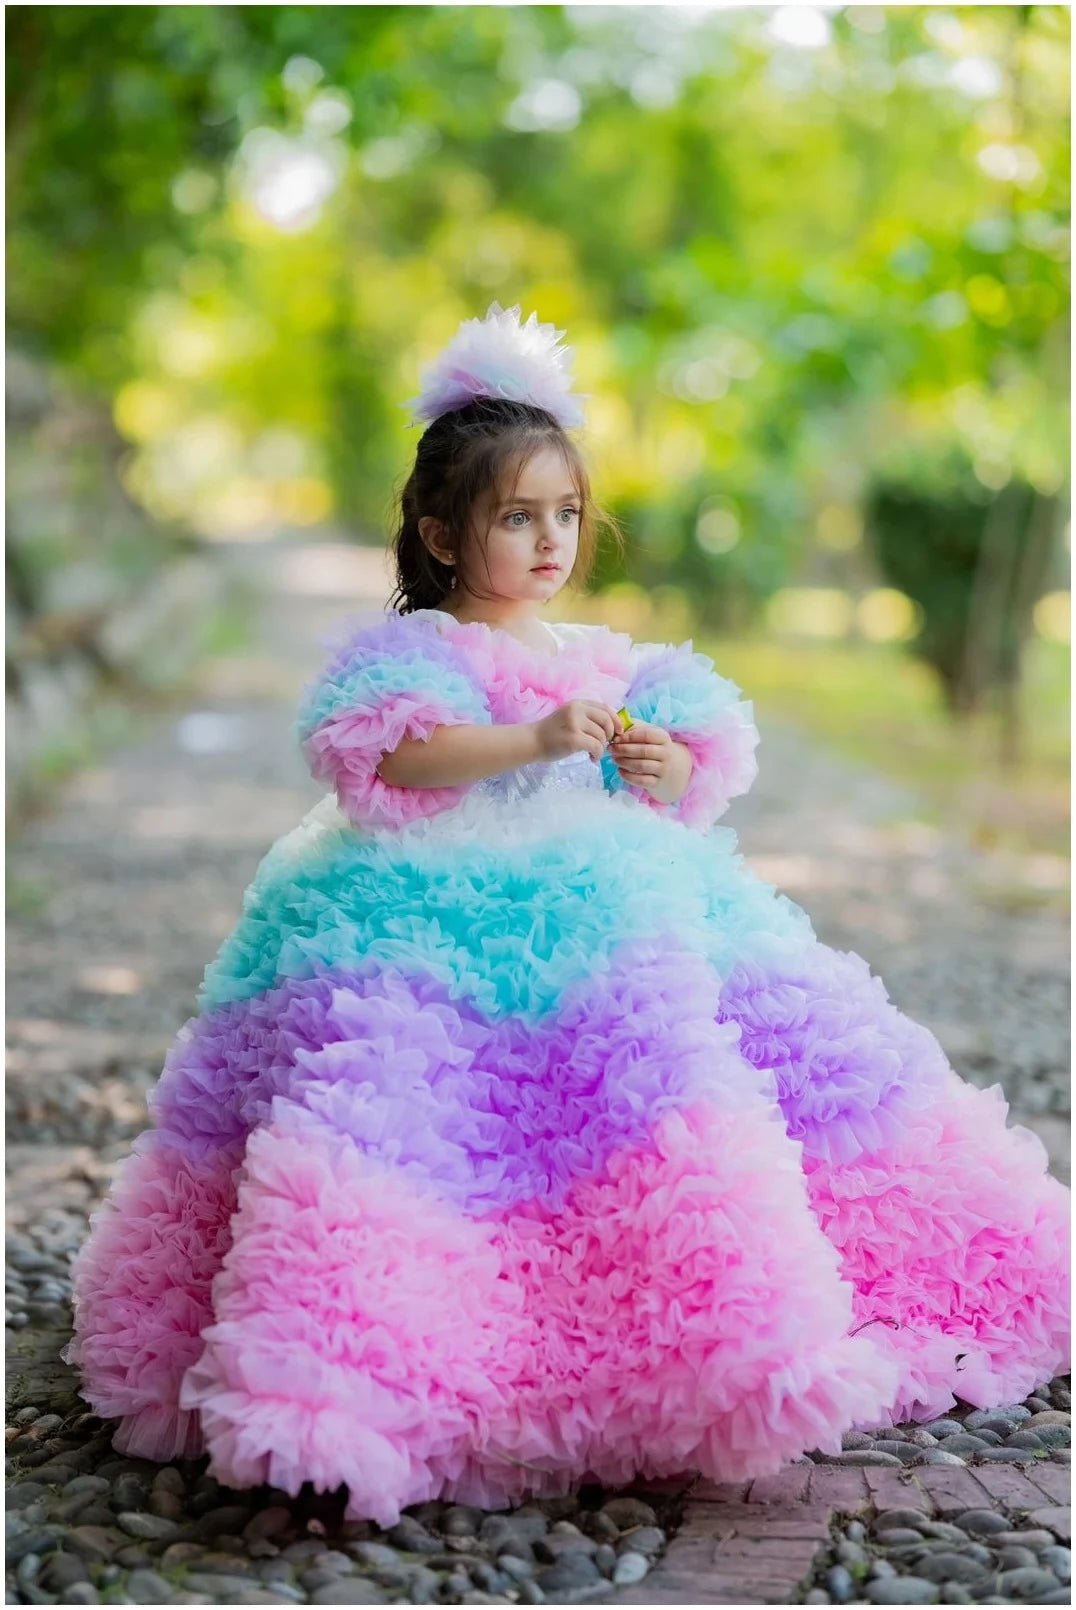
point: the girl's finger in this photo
(637, 752)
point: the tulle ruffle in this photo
(393, 681)
(681, 1308)
(142, 1289)
(507, 911)
(852, 1071)
(956, 1241)
(493, 1112)
(680, 691)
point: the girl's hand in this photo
(579, 724)
(648, 758)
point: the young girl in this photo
(524, 1135)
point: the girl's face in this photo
(533, 533)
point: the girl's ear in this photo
(432, 533)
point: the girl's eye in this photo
(567, 509)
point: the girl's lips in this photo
(544, 570)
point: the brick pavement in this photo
(756, 1542)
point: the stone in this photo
(1054, 1436)
(1026, 1583)
(602, 1528)
(461, 1520)
(217, 1583)
(37, 1540)
(521, 1570)
(554, 1547)
(22, 1493)
(1024, 1438)
(839, 1584)
(514, 1530)
(93, 1542)
(897, 1534)
(982, 1520)
(956, 1593)
(943, 1428)
(129, 1493)
(63, 1570)
(867, 1456)
(643, 1540)
(948, 1566)
(628, 1512)
(887, 1518)
(989, 1420)
(146, 1587)
(964, 1443)
(223, 1518)
(1058, 1560)
(150, 1528)
(169, 1480)
(569, 1574)
(356, 1590)
(941, 1456)
(630, 1568)
(90, 1485)
(850, 1440)
(902, 1590)
(1011, 1558)
(377, 1554)
(1050, 1417)
(906, 1452)
(162, 1502)
(605, 1558)
(182, 1553)
(304, 1549)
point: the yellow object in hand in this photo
(625, 718)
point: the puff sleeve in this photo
(678, 689)
(394, 677)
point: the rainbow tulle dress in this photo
(524, 1135)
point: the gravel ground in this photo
(119, 899)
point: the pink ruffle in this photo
(142, 1285)
(364, 1331)
(723, 765)
(347, 749)
(957, 1241)
(682, 1309)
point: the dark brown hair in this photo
(461, 455)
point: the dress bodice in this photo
(542, 777)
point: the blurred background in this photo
(814, 262)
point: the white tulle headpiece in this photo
(498, 356)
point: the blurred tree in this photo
(976, 562)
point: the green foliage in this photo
(974, 561)
(780, 262)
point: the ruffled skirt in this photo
(512, 1149)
